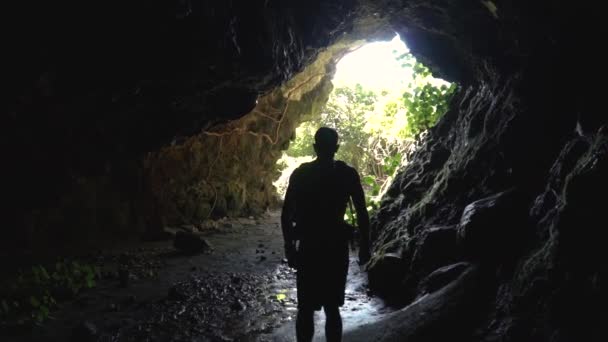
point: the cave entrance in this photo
(383, 101)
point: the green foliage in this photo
(30, 296)
(424, 100)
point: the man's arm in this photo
(287, 219)
(362, 220)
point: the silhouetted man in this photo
(316, 201)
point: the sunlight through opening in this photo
(383, 101)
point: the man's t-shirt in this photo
(320, 194)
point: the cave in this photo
(131, 126)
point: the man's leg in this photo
(333, 324)
(305, 324)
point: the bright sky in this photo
(374, 66)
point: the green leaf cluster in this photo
(30, 296)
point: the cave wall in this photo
(509, 179)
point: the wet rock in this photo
(443, 315)
(442, 276)
(437, 246)
(190, 243)
(489, 227)
(386, 275)
(84, 332)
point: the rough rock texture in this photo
(103, 111)
(229, 169)
(482, 169)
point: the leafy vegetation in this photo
(31, 295)
(377, 128)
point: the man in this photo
(316, 200)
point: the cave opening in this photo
(383, 101)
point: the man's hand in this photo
(291, 255)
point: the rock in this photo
(124, 277)
(489, 227)
(129, 300)
(208, 225)
(175, 293)
(163, 235)
(125, 258)
(437, 246)
(84, 301)
(188, 228)
(190, 243)
(386, 275)
(227, 225)
(443, 315)
(238, 306)
(442, 276)
(84, 331)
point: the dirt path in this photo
(239, 291)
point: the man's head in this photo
(326, 142)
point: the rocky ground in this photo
(237, 289)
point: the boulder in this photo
(190, 243)
(489, 228)
(386, 275)
(436, 247)
(442, 277)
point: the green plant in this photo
(30, 296)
